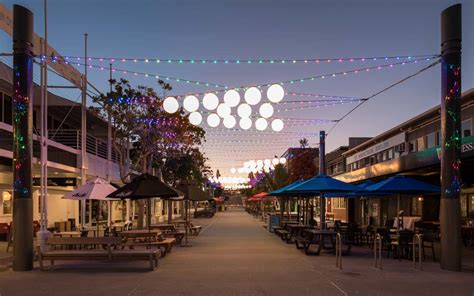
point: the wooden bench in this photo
(194, 229)
(105, 249)
(283, 234)
(147, 239)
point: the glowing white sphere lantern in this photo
(259, 162)
(244, 110)
(210, 101)
(245, 123)
(233, 170)
(261, 124)
(190, 103)
(195, 118)
(229, 121)
(223, 110)
(282, 160)
(266, 110)
(253, 96)
(277, 125)
(275, 161)
(267, 162)
(232, 98)
(171, 105)
(275, 93)
(213, 120)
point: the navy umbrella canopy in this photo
(403, 185)
(282, 191)
(399, 185)
(321, 184)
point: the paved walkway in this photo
(234, 255)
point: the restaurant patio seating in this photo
(148, 239)
(4, 231)
(403, 244)
(428, 240)
(109, 252)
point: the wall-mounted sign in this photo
(392, 142)
(63, 182)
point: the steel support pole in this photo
(322, 171)
(450, 209)
(84, 134)
(22, 109)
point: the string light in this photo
(280, 61)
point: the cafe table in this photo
(68, 234)
(323, 236)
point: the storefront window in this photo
(420, 144)
(466, 127)
(431, 140)
(464, 209)
(338, 203)
(417, 206)
(7, 203)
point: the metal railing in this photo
(72, 138)
(378, 251)
(417, 240)
(338, 251)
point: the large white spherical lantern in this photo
(267, 162)
(245, 123)
(282, 160)
(233, 170)
(223, 110)
(266, 110)
(232, 98)
(275, 161)
(195, 118)
(275, 93)
(190, 103)
(229, 121)
(244, 110)
(277, 125)
(171, 105)
(253, 96)
(261, 124)
(213, 120)
(260, 162)
(210, 101)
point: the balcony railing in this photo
(72, 138)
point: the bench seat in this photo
(165, 245)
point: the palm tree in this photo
(304, 143)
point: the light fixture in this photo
(210, 101)
(229, 121)
(171, 105)
(253, 96)
(195, 118)
(275, 93)
(244, 110)
(232, 170)
(245, 123)
(261, 124)
(267, 162)
(277, 125)
(275, 161)
(282, 160)
(190, 103)
(266, 110)
(232, 98)
(213, 120)
(223, 110)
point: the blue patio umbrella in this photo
(361, 192)
(321, 184)
(282, 191)
(399, 185)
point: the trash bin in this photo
(273, 220)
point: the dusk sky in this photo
(264, 29)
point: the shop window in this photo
(420, 144)
(466, 127)
(464, 205)
(7, 203)
(7, 109)
(412, 146)
(438, 138)
(338, 203)
(417, 206)
(431, 140)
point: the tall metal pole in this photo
(84, 131)
(109, 131)
(44, 125)
(22, 138)
(450, 209)
(322, 171)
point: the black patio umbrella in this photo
(191, 193)
(147, 186)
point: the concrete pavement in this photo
(234, 255)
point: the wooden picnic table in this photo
(312, 234)
(68, 234)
